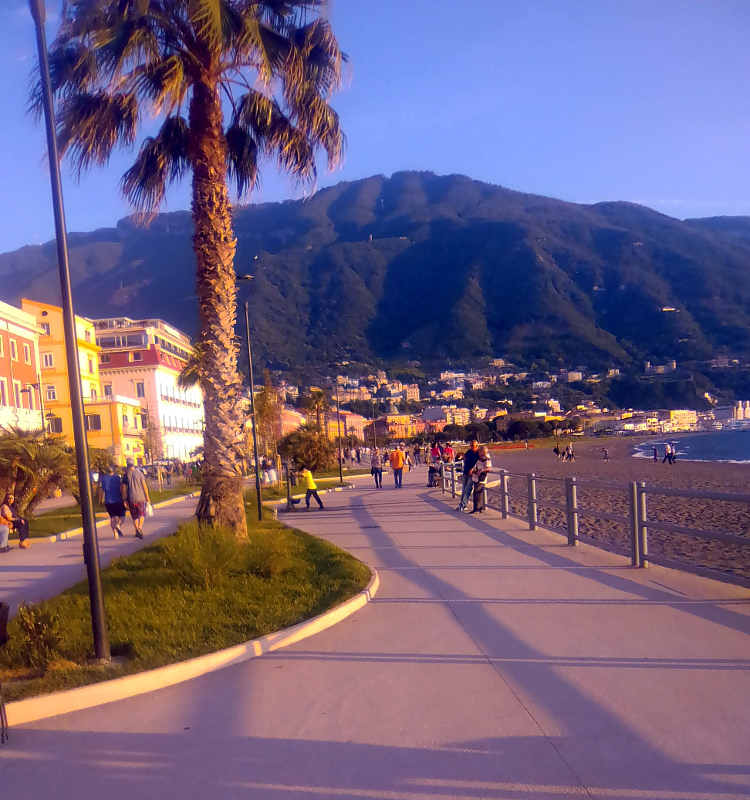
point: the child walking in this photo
(312, 488)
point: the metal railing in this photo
(497, 495)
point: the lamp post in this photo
(338, 422)
(374, 435)
(90, 543)
(252, 404)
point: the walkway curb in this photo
(61, 537)
(22, 712)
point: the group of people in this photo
(476, 465)
(398, 459)
(125, 493)
(567, 453)
(670, 454)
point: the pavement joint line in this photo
(45, 706)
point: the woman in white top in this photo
(479, 478)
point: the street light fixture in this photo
(90, 543)
(252, 404)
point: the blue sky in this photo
(586, 100)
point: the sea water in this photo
(729, 446)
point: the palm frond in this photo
(243, 159)
(90, 125)
(162, 159)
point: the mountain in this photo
(432, 268)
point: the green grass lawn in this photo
(157, 616)
(59, 520)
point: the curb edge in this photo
(22, 712)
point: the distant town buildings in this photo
(21, 401)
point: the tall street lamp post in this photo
(338, 421)
(90, 543)
(258, 497)
(374, 435)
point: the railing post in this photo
(504, 504)
(642, 524)
(635, 526)
(443, 477)
(571, 503)
(531, 478)
(453, 481)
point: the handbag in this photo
(149, 510)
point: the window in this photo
(50, 393)
(125, 421)
(17, 394)
(48, 361)
(104, 358)
(94, 393)
(26, 354)
(13, 350)
(91, 366)
(45, 328)
(108, 390)
(3, 392)
(137, 356)
(55, 425)
(140, 390)
(87, 336)
(2, 347)
(93, 422)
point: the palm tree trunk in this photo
(214, 244)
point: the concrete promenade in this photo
(494, 663)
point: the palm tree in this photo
(33, 464)
(316, 403)
(235, 81)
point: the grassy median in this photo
(186, 595)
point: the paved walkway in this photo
(47, 568)
(494, 663)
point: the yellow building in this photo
(113, 423)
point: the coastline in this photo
(708, 515)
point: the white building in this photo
(143, 359)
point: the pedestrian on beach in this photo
(134, 492)
(397, 465)
(471, 456)
(656, 454)
(674, 455)
(479, 479)
(10, 516)
(605, 453)
(556, 451)
(376, 468)
(311, 489)
(667, 453)
(417, 456)
(110, 495)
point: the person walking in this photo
(656, 455)
(605, 452)
(667, 453)
(479, 479)
(556, 451)
(110, 495)
(311, 489)
(449, 454)
(471, 456)
(376, 468)
(417, 456)
(134, 490)
(397, 465)
(10, 516)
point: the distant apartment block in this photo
(143, 359)
(21, 403)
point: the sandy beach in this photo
(719, 516)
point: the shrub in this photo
(202, 556)
(40, 636)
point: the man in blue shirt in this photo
(110, 494)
